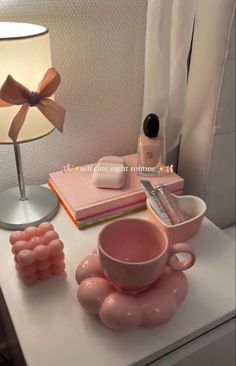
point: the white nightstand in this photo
(53, 330)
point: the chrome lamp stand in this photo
(24, 206)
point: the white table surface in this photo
(53, 330)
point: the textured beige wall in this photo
(98, 47)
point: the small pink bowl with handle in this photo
(194, 207)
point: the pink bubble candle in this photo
(38, 253)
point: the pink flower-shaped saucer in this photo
(122, 311)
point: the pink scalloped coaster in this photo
(121, 311)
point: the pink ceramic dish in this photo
(123, 312)
(193, 206)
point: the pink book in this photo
(84, 200)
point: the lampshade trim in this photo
(26, 36)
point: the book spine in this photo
(98, 220)
(91, 221)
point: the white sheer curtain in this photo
(168, 40)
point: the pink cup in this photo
(134, 252)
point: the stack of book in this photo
(87, 205)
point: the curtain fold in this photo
(168, 40)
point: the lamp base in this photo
(41, 205)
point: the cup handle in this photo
(181, 265)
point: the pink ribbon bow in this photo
(14, 93)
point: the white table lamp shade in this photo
(25, 55)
